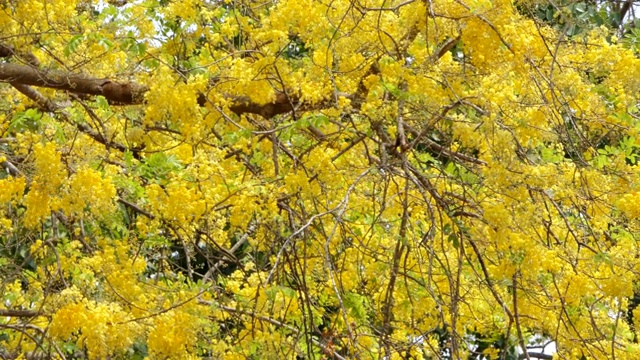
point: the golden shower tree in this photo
(318, 179)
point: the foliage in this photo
(310, 179)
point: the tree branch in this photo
(19, 313)
(537, 356)
(128, 93)
(122, 93)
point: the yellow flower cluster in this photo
(105, 329)
(177, 203)
(11, 191)
(49, 175)
(88, 190)
(170, 99)
(629, 205)
(174, 335)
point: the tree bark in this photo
(121, 93)
(129, 93)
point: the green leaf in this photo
(27, 120)
(102, 102)
(603, 258)
(319, 120)
(138, 48)
(453, 238)
(356, 304)
(73, 44)
(450, 169)
(284, 290)
(106, 43)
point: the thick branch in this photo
(19, 313)
(129, 93)
(242, 105)
(537, 356)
